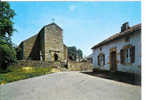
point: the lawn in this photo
(20, 73)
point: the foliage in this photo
(74, 54)
(19, 54)
(7, 53)
(6, 16)
(80, 54)
(19, 73)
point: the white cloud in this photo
(72, 7)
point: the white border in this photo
(143, 50)
(71, 0)
(142, 38)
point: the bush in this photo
(7, 53)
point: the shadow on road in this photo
(117, 76)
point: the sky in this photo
(84, 24)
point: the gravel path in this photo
(69, 86)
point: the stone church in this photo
(47, 45)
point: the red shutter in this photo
(132, 54)
(98, 60)
(122, 56)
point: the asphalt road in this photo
(69, 86)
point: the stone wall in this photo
(33, 45)
(28, 46)
(53, 43)
(71, 66)
(65, 52)
(35, 63)
(79, 66)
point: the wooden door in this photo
(113, 63)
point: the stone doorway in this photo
(55, 57)
(113, 61)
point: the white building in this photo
(120, 52)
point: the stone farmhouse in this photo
(120, 52)
(47, 45)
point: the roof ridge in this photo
(116, 35)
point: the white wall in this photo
(134, 40)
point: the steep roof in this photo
(30, 37)
(119, 35)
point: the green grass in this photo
(20, 73)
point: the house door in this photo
(113, 58)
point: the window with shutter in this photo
(103, 59)
(132, 54)
(127, 54)
(122, 56)
(98, 61)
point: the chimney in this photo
(124, 27)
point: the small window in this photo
(101, 59)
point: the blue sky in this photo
(84, 24)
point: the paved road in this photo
(69, 86)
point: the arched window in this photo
(101, 59)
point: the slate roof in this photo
(118, 35)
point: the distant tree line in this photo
(75, 54)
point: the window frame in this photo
(131, 54)
(101, 59)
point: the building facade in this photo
(47, 45)
(120, 52)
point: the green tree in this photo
(6, 16)
(72, 51)
(74, 54)
(19, 53)
(79, 54)
(7, 51)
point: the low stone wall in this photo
(71, 65)
(37, 63)
(79, 66)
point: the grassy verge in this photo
(15, 73)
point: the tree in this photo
(6, 16)
(79, 54)
(74, 54)
(19, 54)
(7, 51)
